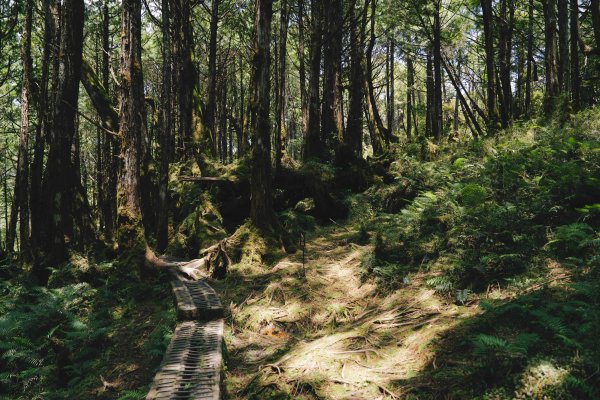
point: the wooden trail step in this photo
(196, 300)
(191, 368)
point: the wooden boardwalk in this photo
(191, 367)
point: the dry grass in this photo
(324, 333)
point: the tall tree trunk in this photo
(575, 68)
(209, 136)
(188, 81)
(111, 146)
(437, 123)
(162, 228)
(595, 10)
(410, 92)
(280, 133)
(390, 65)
(506, 23)
(430, 97)
(261, 203)
(490, 66)
(58, 178)
(302, 69)
(331, 115)
(41, 132)
(529, 77)
(552, 84)
(313, 144)
(563, 46)
(22, 184)
(132, 115)
(354, 125)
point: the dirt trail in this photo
(327, 334)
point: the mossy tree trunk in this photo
(132, 119)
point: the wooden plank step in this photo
(196, 300)
(191, 368)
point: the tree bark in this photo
(313, 146)
(22, 184)
(209, 135)
(162, 226)
(132, 115)
(563, 46)
(552, 84)
(506, 23)
(261, 204)
(437, 122)
(354, 124)
(280, 112)
(58, 186)
(488, 31)
(575, 68)
(530, 39)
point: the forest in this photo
(299, 199)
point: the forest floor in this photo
(326, 333)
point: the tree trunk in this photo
(41, 132)
(313, 145)
(563, 46)
(58, 186)
(381, 134)
(132, 116)
(332, 116)
(209, 136)
(162, 226)
(552, 84)
(390, 65)
(354, 125)
(410, 92)
(506, 22)
(261, 203)
(437, 122)
(22, 184)
(490, 67)
(302, 70)
(575, 68)
(595, 9)
(528, 79)
(280, 133)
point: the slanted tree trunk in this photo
(261, 204)
(132, 116)
(381, 134)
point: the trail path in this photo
(328, 335)
(191, 367)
